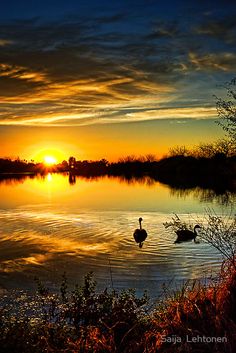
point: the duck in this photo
(140, 234)
(186, 234)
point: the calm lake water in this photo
(49, 226)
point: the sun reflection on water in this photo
(49, 177)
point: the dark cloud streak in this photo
(85, 64)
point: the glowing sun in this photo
(49, 160)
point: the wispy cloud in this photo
(86, 70)
(223, 29)
(4, 42)
(214, 62)
(21, 73)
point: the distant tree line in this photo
(8, 165)
(18, 165)
(211, 165)
(223, 148)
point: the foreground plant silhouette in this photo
(205, 314)
(79, 321)
(83, 321)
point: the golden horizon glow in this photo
(49, 160)
(49, 154)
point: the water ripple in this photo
(40, 241)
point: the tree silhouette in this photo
(72, 162)
(226, 109)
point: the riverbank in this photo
(196, 319)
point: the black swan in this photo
(185, 234)
(140, 234)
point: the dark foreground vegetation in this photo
(197, 319)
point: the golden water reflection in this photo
(48, 226)
(108, 192)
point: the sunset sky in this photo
(106, 79)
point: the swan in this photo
(140, 234)
(185, 234)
